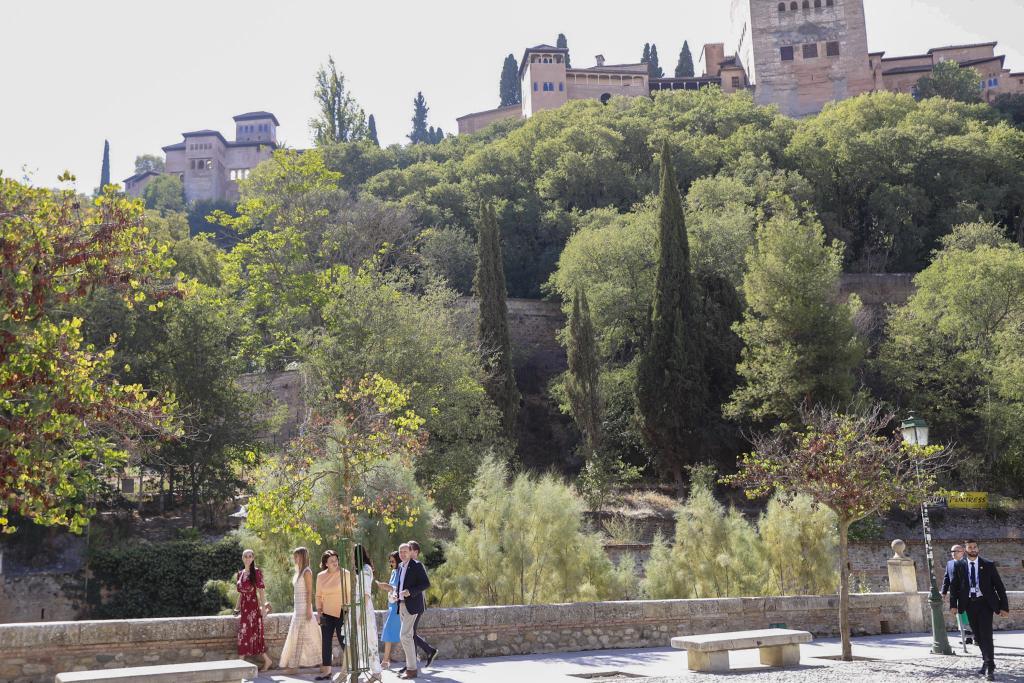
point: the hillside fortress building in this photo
(795, 54)
(210, 165)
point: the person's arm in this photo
(261, 594)
(319, 593)
(307, 577)
(420, 582)
(997, 583)
(238, 596)
(954, 589)
(945, 581)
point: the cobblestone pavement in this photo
(931, 669)
(886, 659)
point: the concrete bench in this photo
(710, 652)
(233, 670)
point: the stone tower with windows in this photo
(801, 54)
(542, 76)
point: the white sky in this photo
(140, 73)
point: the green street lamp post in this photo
(915, 432)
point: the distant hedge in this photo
(160, 579)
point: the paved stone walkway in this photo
(887, 659)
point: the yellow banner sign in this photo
(973, 500)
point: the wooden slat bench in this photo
(223, 671)
(710, 652)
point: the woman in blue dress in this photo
(391, 633)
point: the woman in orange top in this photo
(333, 591)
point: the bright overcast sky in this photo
(139, 73)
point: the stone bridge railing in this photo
(33, 653)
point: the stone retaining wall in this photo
(34, 653)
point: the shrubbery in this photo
(160, 579)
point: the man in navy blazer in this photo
(412, 584)
(957, 551)
(977, 590)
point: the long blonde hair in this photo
(304, 554)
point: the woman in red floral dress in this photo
(249, 583)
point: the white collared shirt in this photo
(401, 579)
(975, 589)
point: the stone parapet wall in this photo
(34, 653)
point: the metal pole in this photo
(940, 641)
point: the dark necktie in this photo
(974, 577)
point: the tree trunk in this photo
(677, 476)
(193, 475)
(844, 590)
(160, 493)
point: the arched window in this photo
(807, 4)
(817, 3)
(793, 5)
(829, 3)
(782, 7)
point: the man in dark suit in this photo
(412, 584)
(977, 590)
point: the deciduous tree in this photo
(149, 162)
(340, 118)
(852, 464)
(65, 424)
(950, 80)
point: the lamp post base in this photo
(940, 641)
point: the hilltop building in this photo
(209, 165)
(795, 54)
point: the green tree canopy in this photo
(684, 68)
(523, 543)
(339, 117)
(164, 193)
(953, 352)
(950, 80)
(419, 121)
(493, 333)
(509, 90)
(105, 168)
(149, 162)
(800, 345)
(65, 422)
(563, 42)
(671, 378)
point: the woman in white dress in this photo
(368, 654)
(302, 646)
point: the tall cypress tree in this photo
(563, 43)
(489, 289)
(672, 383)
(419, 120)
(371, 130)
(509, 88)
(653, 65)
(684, 69)
(646, 59)
(582, 382)
(105, 168)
